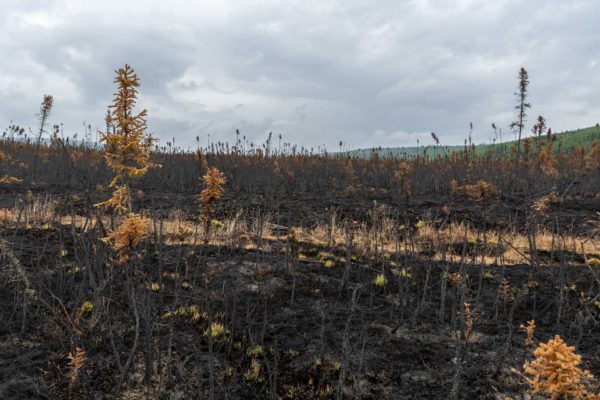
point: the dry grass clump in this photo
(35, 210)
(555, 372)
(449, 240)
(10, 180)
(542, 205)
(480, 190)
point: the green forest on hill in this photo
(562, 142)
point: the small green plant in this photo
(380, 280)
(255, 351)
(126, 332)
(86, 308)
(189, 312)
(324, 255)
(290, 354)
(76, 269)
(229, 371)
(336, 367)
(329, 264)
(215, 223)
(420, 224)
(402, 273)
(294, 393)
(216, 330)
(319, 243)
(171, 276)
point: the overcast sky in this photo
(368, 73)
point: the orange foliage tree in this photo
(210, 195)
(128, 147)
(555, 372)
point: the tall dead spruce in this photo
(521, 107)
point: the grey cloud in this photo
(317, 72)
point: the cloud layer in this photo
(317, 72)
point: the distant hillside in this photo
(563, 141)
